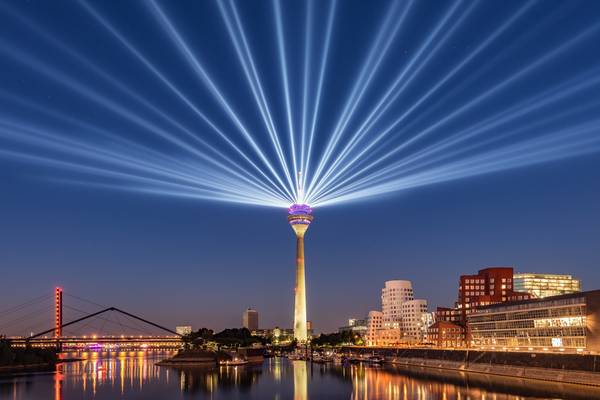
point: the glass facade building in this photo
(546, 285)
(567, 322)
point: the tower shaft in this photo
(300, 331)
(300, 218)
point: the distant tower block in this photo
(250, 320)
(300, 218)
(58, 308)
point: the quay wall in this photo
(579, 369)
(566, 361)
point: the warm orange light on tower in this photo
(58, 320)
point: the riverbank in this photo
(26, 359)
(532, 373)
(187, 358)
(36, 367)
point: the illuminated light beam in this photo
(131, 146)
(306, 78)
(483, 96)
(97, 98)
(90, 152)
(548, 97)
(576, 141)
(186, 194)
(526, 149)
(140, 57)
(544, 99)
(321, 78)
(490, 39)
(377, 53)
(181, 192)
(192, 60)
(253, 78)
(133, 95)
(214, 187)
(387, 173)
(191, 193)
(103, 75)
(286, 88)
(376, 113)
(462, 150)
(499, 31)
(132, 178)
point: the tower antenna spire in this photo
(300, 188)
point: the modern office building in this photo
(356, 326)
(250, 320)
(448, 314)
(183, 330)
(489, 286)
(546, 285)
(374, 325)
(492, 285)
(387, 337)
(412, 324)
(560, 323)
(446, 334)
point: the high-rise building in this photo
(299, 217)
(250, 320)
(489, 286)
(545, 285)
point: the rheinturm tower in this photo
(300, 218)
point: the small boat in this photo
(374, 360)
(338, 359)
(319, 359)
(234, 362)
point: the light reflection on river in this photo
(131, 375)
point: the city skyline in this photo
(527, 200)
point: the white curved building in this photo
(401, 319)
(393, 294)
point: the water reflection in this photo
(104, 376)
(300, 380)
(225, 379)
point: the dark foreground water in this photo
(134, 376)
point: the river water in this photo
(132, 376)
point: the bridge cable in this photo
(25, 304)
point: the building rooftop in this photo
(541, 300)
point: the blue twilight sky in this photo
(183, 260)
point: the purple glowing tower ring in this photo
(300, 214)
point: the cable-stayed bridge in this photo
(46, 321)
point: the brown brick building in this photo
(489, 286)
